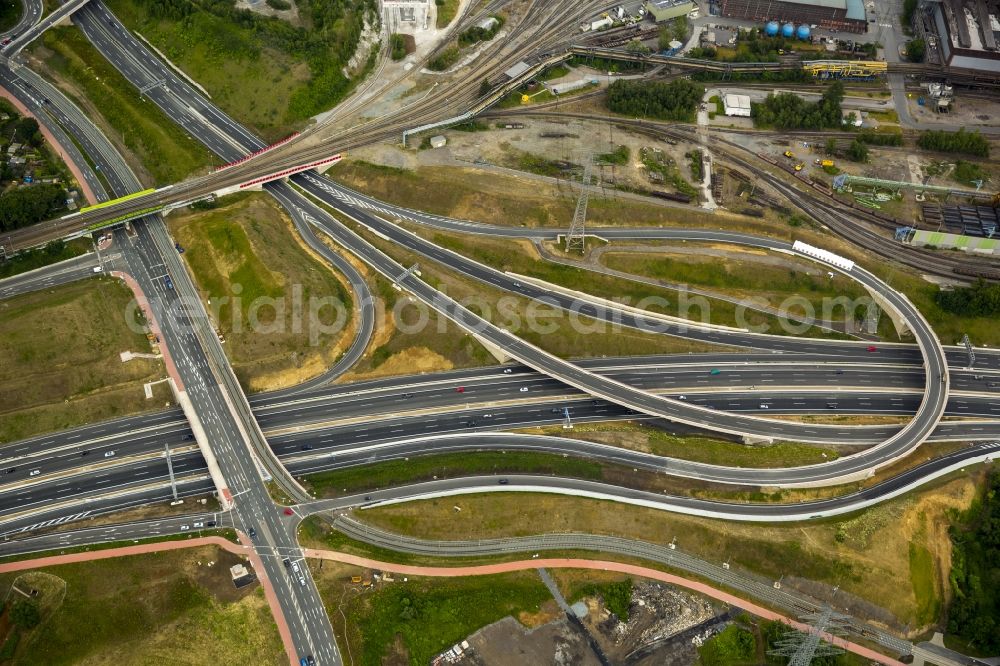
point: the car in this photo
(368, 498)
(556, 410)
(252, 532)
(471, 423)
(487, 416)
(504, 482)
(199, 524)
(682, 397)
(507, 371)
(179, 249)
(185, 528)
(595, 403)
(517, 284)
(307, 447)
(34, 472)
(460, 389)
(167, 281)
(840, 372)
(977, 376)
(211, 523)
(992, 384)
(523, 389)
(98, 269)
(5, 41)
(407, 396)
(302, 581)
(187, 436)
(109, 454)
(872, 348)
(296, 568)
(715, 371)
(84, 453)
(307, 660)
(288, 511)
(831, 405)
(287, 562)
(10, 470)
(763, 406)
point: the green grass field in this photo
(700, 449)
(10, 14)
(410, 622)
(162, 607)
(924, 584)
(395, 472)
(515, 257)
(247, 259)
(446, 10)
(162, 147)
(61, 367)
(263, 71)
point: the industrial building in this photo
(666, 10)
(968, 32)
(736, 105)
(839, 15)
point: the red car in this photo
(288, 511)
(872, 348)
(461, 389)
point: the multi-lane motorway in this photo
(310, 431)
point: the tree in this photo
(676, 100)
(680, 28)
(484, 87)
(857, 151)
(27, 205)
(397, 46)
(666, 36)
(831, 146)
(636, 46)
(24, 613)
(971, 143)
(916, 50)
(789, 111)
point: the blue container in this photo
(788, 30)
(802, 32)
(772, 28)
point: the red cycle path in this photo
(601, 565)
(81, 181)
(163, 546)
(410, 570)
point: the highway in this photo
(137, 462)
(149, 257)
(65, 272)
(208, 379)
(30, 15)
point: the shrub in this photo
(970, 143)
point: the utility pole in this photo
(575, 236)
(803, 647)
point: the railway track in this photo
(813, 199)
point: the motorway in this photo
(113, 42)
(391, 419)
(147, 256)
